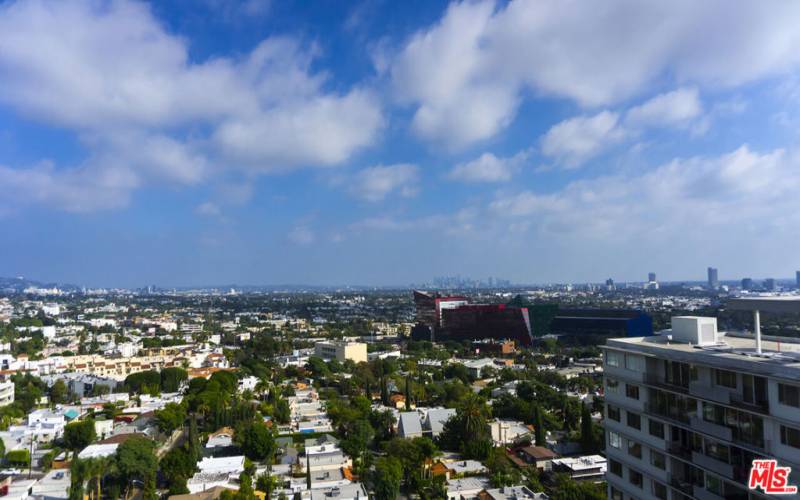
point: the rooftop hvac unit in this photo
(695, 330)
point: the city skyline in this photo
(270, 142)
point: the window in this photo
(632, 391)
(635, 478)
(615, 467)
(789, 395)
(634, 449)
(713, 484)
(656, 429)
(612, 385)
(614, 358)
(659, 490)
(718, 451)
(790, 436)
(616, 494)
(613, 412)
(658, 460)
(634, 362)
(634, 420)
(726, 378)
(614, 440)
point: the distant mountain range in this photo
(20, 283)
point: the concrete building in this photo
(689, 409)
(341, 351)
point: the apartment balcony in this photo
(680, 450)
(667, 413)
(718, 431)
(712, 464)
(707, 392)
(661, 382)
(761, 407)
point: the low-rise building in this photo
(341, 351)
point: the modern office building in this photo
(689, 409)
(770, 285)
(651, 276)
(747, 284)
(797, 278)
(341, 351)
(519, 320)
(713, 278)
(614, 322)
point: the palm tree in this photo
(474, 414)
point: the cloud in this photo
(374, 184)
(692, 199)
(209, 209)
(301, 235)
(114, 75)
(575, 140)
(80, 189)
(676, 109)
(488, 168)
(466, 75)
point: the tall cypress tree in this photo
(538, 426)
(408, 394)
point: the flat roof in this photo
(778, 304)
(780, 359)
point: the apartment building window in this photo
(659, 490)
(635, 478)
(614, 358)
(713, 484)
(718, 451)
(658, 460)
(612, 385)
(615, 467)
(616, 494)
(725, 378)
(790, 436)
(634, 420)
(632, 391)
(656, 429)
(614, 440)
(745, 426)
(789, 395)
(634, 362)
(613, 413)
(634, 449)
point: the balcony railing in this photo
(657, 380)
(754, 406)
(668, 412)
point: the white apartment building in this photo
(689, 409)
(341, 351)
(6, 393)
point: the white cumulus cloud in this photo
(488, 168)
(374, 184)
(125, 85)
(466, 75)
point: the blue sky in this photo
(191, 142)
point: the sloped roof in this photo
(409, 424)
